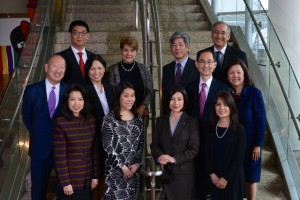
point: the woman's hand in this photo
(164, 159)
(126, 172)
(133, 168)
(256, 153)
(142, 110)
(94, 183)
(214, 179)
(222, 183)
(68, 190)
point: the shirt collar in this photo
(222, 50)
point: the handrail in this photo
(12, 120)
(137, 14)
(274, 68)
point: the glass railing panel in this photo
(12, 140)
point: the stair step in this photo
(172, 2)
(101, 17)
(178, 9)
(182, 17)
(107, 26)
(268, 157)
(97, 8)
(182, 26)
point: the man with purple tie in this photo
(41, 104)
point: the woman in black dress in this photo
(225, 149)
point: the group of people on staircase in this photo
(88, 122)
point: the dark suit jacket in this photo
(183, 146)
(37, 119)
(230, 54)
(97, 111)
(73, 73)
(232, 155)
(189, 74)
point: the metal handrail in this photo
(137, 14)
(274, 68)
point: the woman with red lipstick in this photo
(75, 147)
(175, 144)
(134, 72)
(252, 115)
(224, 150)
(122, 136)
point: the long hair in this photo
(89, 63)
(172, 91)
(120, 87)
(66, 112)
(234, 115)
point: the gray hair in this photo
(221, 22)
(184, 36)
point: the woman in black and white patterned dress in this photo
(122, 135)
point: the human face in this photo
(79, 37)
(179, 50)
(75, 103)
(220, 36)
(177, 102)
(236, 76)
(128, 54)
(127, 99)
(55, 69)
(222, 110)
(96, 72)
(206, 65)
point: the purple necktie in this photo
(52, 102)
(178, 73)
(202, 98)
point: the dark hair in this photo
(120, 87)
(204, 51)
(184, 36)
(66, 112)
(247, 78)
(89, 63)
(172, 91)
(78, 23)
(234, 115)
(130, 41)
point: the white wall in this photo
(13, 6)
(285, 17)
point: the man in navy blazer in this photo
(220, 35)
(180, 47)
(79, 35)
(206, 65)
(36, 117)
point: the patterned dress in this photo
(123, 143)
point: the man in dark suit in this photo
(38, 116)
(206, 65)
(220, 35)
(183, 67)
(79, 35)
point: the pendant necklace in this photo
(223, 133)
(128, 70)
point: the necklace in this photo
(217, 132)
(128, 70)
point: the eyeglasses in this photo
(220, 32)
(203, 62)
(83, 33)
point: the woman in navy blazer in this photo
(252, 115)
(101, 96)
(175, 144)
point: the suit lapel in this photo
(180, 126)
(43, 96)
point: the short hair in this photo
(234, 115)
(89, 63)
(66, 112)
(130, 41)
(221, 22)
(204, 51)
(247, 78)
(78, 23)
(184, 36)
(120, 87)
(172, 91)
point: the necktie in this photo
(202, 98)
(52, 102)
(219, 56)
(178, 73)
(81, 63)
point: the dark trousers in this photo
(83, 194)
(40, 173)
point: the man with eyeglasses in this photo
(201, 94)
(223, 53)
(76, 55)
